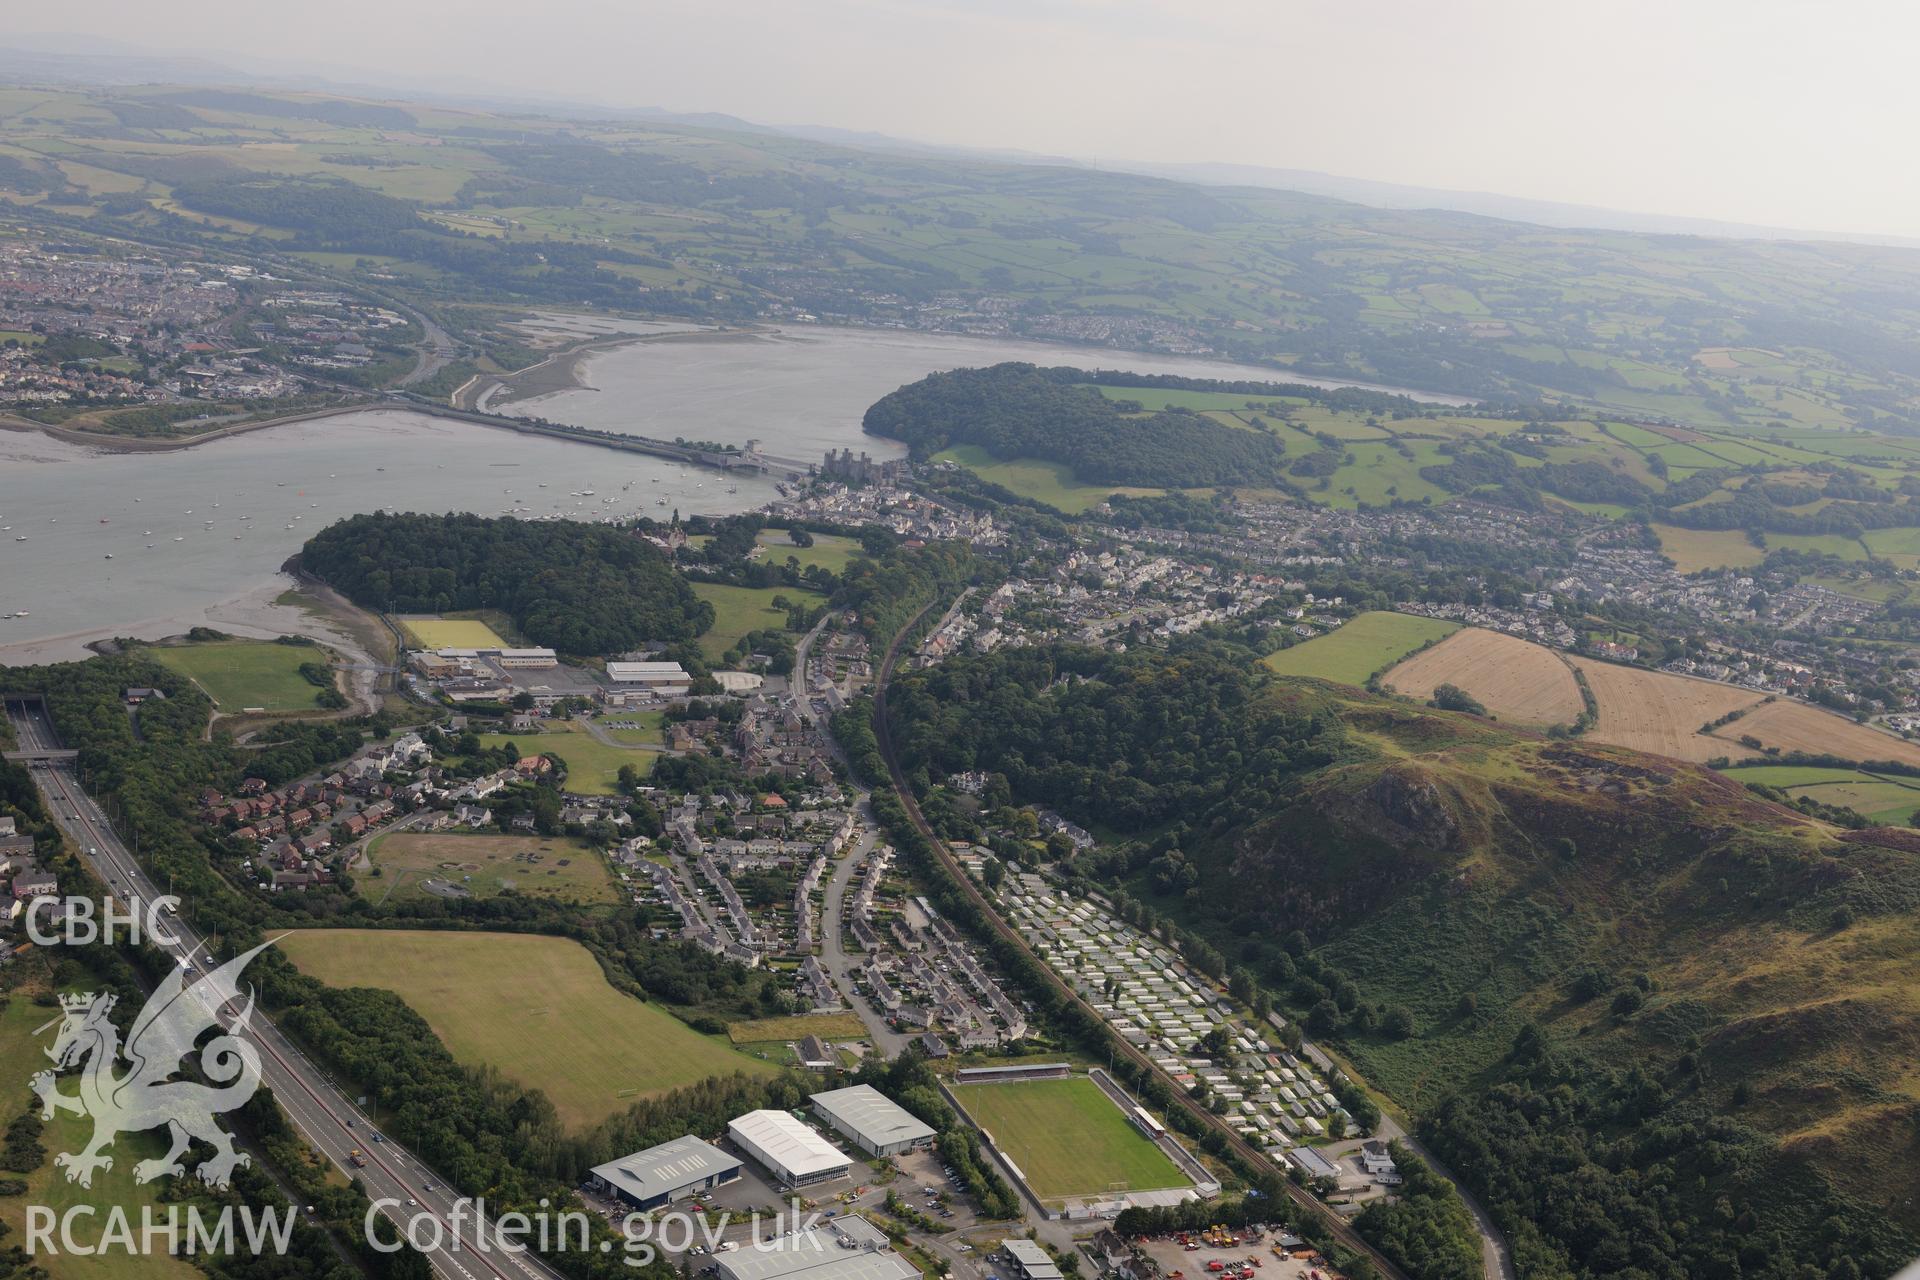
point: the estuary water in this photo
(802, 390)
(103, 544)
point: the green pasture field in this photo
(248, 673)
(1885, 798)
(1050, 482)
(538, 1009)
(1368, 643)
(829, 551)
(593, 767)
(739, 610)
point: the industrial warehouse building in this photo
(871, 1120)
(847, 1248)
(668, 679)
(660, 1175)
(794, 1154)
(1030, 1261)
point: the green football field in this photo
(1068, 1137)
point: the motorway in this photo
(319, 1108)
(1252, 1156)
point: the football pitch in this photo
(1068, 1137)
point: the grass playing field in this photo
(451, 633)
(1368, 643)
(486, 866)
(536, 1008)
(1068, 1137)
(248, 673)
(593, 767)
(738, 610)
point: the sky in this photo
(1776, 112)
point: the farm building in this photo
(1029, 1261)
(794, 1154)
(871, 1120)
(666, 1173)
(848, 1248)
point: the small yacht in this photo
(109, 555)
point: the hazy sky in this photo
(1768, 111)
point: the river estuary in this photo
(100, 544)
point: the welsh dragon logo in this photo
(143, 1097)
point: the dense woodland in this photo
(1023, 411)
(1126, 741)
(578, 588)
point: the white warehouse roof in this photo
(780, 1139)
(647, 672)
(847, 1248)
(874, 1120)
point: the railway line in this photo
(1252, 1156)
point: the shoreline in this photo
(253, 613)
(561, 371)
(173, 444)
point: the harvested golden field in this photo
(1795, 726)
(1515, 679)
(1662, 713)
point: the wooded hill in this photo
(578, 588)
(1023, 411)
(1664, 1027)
